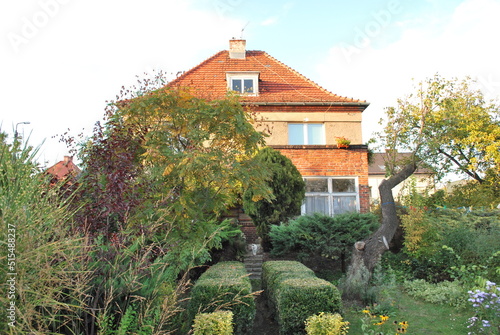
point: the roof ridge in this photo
(309, 80)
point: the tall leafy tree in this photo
(169, 150)
(157, 175)
(448, 125)
(288, 190)
(199, 152)
(445, 124)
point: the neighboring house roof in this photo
(278, 83)
(64, 170)
(379, 159)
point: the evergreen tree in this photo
(288, 189)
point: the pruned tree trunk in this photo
(367, 253)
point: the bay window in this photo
(331, 195)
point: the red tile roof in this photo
(377, 167)
(63, 170)
(278, 83)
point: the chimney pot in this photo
(237, 49)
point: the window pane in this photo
(236, 85)
(248, 86)
(315, 134)
(344, 185)
(295, 133)
(317, 185)
(344, 204)
(317, 204)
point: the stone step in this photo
(253, 261)
(253, 268)
(254, 275)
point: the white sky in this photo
(62, 59)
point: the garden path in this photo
(264, 323)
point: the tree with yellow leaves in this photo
(446, 125)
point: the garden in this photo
(139, 242)
(442, 281)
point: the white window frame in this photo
(305, 139)
(333, 195)
(247, 75)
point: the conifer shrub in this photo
(225, 286)
(322, 235)
(216, 323)
(296, 293)
(288, 188)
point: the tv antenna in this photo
(242, 29)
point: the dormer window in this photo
(242, 85)
(246, 83)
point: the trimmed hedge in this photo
(295, 293)
(216, 323)
(226, 286)
(274, 272)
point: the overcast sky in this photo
(62, 59)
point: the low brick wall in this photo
(247, 226)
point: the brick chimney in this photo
(67, 160)
(237, 49)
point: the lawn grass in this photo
(423, 318)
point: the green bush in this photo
(438, 241)
(326, 324)
(451, 293)
(288, 189)
(216, 323)
(319, 234)
(276, 271)
(474, 193)
(298, 298)
(225, 286)
(296, 293)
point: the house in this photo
(64, 170)
(422, 179)
(304, 121)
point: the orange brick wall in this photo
(331, 161)
(245, 222)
